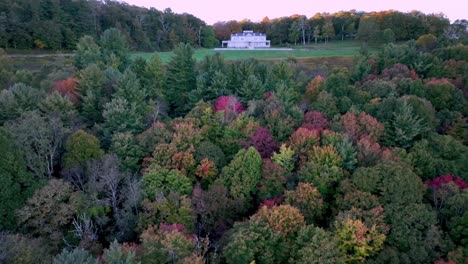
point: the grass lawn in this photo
(335, 48)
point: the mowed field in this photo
(331, 49)
(323, 56)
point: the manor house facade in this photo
(247, 40)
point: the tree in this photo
(161, 180)
(263, 142)
(273, 181)
(122, 116)
(315, 120)
(241, 176)
(302, 140)
(17, 248)
(16, 183)
(308, 200)
(168, 244)
(40, 138)
(284, 158)
(394, 182)
(426, 42)
(251, 88)
(115, 255)
(67, 88)
(49, 211)
(180, 79)
(328, 31)
(254, 242)
(358, 126)
(80, 148)
(115, 51)
(367, 29)
(314, 87)
(154, 76)
(414, 235)
(443, 94)
(404, 127)
(285, 219)
(358, 241)
(316, 245)
(76, 255)
(87, 52)
(129, 152)
(17, 100)
(388, 36)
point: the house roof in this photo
(247, 33)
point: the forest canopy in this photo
(115, 159)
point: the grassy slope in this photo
(320, 57)
(336, 48)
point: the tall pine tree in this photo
(181, 79)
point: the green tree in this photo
(241, 176)
(122, 116)
(17, 100)
(154, 76)
(388, 36)
(162, 180)
(115, 50)
(180, 79)
(208, 38)
(404, 127)
(367, 29)
(127, 149)
(116, 255)
(87, 52)
(91, 81)
(394, 182)
(16, 183)
(316, 245)
(254, 242)
(77, 255)
(80, 148)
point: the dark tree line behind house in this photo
(52, 24)
(384, 26)
(131, 161)
(58, 25)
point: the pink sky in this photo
(222, 10)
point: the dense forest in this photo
(125, 161)
(58, 25)
(118, 160)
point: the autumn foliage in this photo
(67, 88)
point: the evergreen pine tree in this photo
(180, 79)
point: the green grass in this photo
(331, 49)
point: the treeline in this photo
(130, 161)
(53, 24)
(384, 26)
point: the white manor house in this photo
(247, 40)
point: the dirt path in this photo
(40, 55)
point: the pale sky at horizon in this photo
(212, 11)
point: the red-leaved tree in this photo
(446, 179)
(229, 104)
(362, 125)
(67, 88)
(263, 142)
(315, 120)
